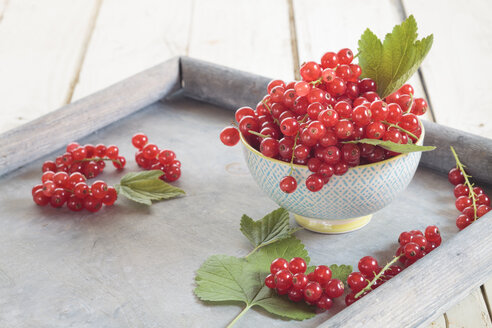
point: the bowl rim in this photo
(256, 152)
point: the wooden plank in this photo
(131, 36)
(438, 323)
(41, 43)
(83, 117)
(470, 312)
(320, 28)
(456, 71)
(250, 35)
(487, 295)
(3, 5)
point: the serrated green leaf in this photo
(392, 62)
(227, 278)
(271, 228)
(340, 271)
(143, 187)
(285, 248)
(392, 146)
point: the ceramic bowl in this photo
(346, 202)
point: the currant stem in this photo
(411, 103)
(259, 134)
(294, 147)
(239, 316)
(401, 129)
(97, 159)
(316, 82)
(356, 55)
(376, 277)
(270, 110)
(467, 182)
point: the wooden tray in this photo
(131, 265)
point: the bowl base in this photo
(332, 226)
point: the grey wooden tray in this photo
(132, 265)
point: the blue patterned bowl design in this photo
(361, 191)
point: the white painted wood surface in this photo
(41, 44)
(55, 51)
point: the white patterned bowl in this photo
(347, 202)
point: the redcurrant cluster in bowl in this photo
(308, 122)
(150, 157)
(88, 159)
(316, 288)
(413, 246)
(471, 201)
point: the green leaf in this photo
(392, 146)
(340, 271)
(227, 278)
(143, 187)
(392, 62)
(285, 248)
(273, 227)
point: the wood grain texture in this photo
(131, 36)
(332, 25)
(458, 260)
(87, 115)
(40, 48)
(250, 35)
(470, 312)
(455, 71)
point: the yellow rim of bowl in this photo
(248, 146)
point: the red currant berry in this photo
(110, 197)
(92, 204)
(299, 281)
(166, 156)
(47, 176)
(270, 281)
(345, 56)
(40, 198)
(350, 298)
(322, 274)
(150, 151)
(462, 203)
(72, 146)
(328, 117)
(411, 250)
(273, 84)
(302, 152)
(379, 111)
(289, 126)
(49, 166)
(99, 189)
(297, 265)
(279, 264)
(455, 176)
(344, 129)
(310, 71)
(324, 302)
(394, 113)
(477, 190)
(48, 188)
(432, 234)
(101, 150)
(288, 184)
(337, 87)
(361, 116)
(328, 75)
(283, 279)
(366, 85)
(340, 168)
(461, 190)
(482, 210)
(375, 130)
(419, 106)
(79, 154)
(421, 241)
(368, 265)
(60, 179)
(334, 288)
(172, 173)
(229, 136)
(463, 221)
(302, 88)
(59, 197)
(329, 60)
(296, 295)
(312, 292)
(81, 190)
(112, 152)
(483, 199)
(314, 182)
(269, 147)
(119, 163)
(244, 111)
(356, 281)
(75, 204)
